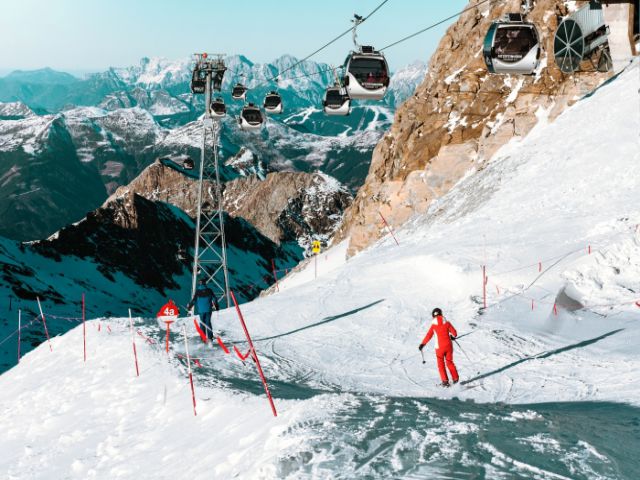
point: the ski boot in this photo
(455, 381)
(445, 384)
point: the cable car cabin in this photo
(367, 74)
(273, 103)
(188, 164)
(512, 46)
(239, 92)
(198, 81)
(250, 118)
(218, 109)
(336, 101)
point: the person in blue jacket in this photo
(205, 302)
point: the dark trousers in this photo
(205, 320)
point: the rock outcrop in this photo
(458, 118)
(284, 207)
(289, 206)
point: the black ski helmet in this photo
(436, 312)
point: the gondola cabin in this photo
(366, 74)
(198, 81)
(239, 92)
(273, 103)
(250, 118)
(512, 46)
(218, 108)
(336, 101)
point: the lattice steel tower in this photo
(210, 253)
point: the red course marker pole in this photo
(388, 228)
(45, 324)
(186, 348)
(133, 341)
(84, 331)
(275, 276)
(254, 356)
(19, 328)
(168, 322)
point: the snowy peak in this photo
(14, 111)
(156, 72)
(404, 82)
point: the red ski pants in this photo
(446, 354)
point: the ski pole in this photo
(423, 360)
(462, 350)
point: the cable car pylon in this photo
(210, 251)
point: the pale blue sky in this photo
(90, 35)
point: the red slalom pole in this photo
(275, 276)
(254, 355)
(388, 228)
(186, 348)
(45, 324)
(168, 322)
(133, 341)
(84, 331)
(19, 328)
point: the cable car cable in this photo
(324, 46)
(437, 24)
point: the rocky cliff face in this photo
(289, 206)
(457, 119)
(284, 207)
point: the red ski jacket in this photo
(442, 328)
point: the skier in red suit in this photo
(444, 333)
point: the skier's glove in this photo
(452, 337)
(421, 346)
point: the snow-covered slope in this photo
(546, 199)
(340, 350)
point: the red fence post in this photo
(84, 331)
(133, 341)
(388, 228)
(275, 276)
(193, 391)
(254, 355)
(168, 322)
(45, 324)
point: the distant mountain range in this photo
(161, 86)
(68, 143)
